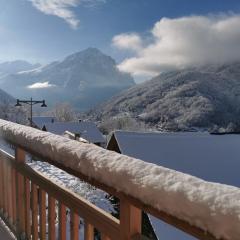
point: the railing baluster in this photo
(10, 193)
(34, 198)
(27, 208)
(42, 214)
(130, 220)
(13, 173)
(104, 237)
(74, 222)
(62, 221)
(51, 218)
(88, 231)
(1, 184)
(5, 188)
(20, 158)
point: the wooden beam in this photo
(13, 172)
(20, 159)
(104, 237)
(34, 198)
(62, 219)
(27, 208)
(42, 214)
(88, 231)
(1, 184)
(51, 218)
(130, 220)
(74, 225)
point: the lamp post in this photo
(31, 103)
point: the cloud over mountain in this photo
(40, 85)
(63, 8)
(182, 42)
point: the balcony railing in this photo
(29, 199)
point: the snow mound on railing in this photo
(210, 206)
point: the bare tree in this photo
(9, 112)
(121, 123)
(64, 112)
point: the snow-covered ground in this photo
(85, 190)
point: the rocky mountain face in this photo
(192, 98)
(84, 79)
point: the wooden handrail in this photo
(170, 219)
(94, 215)
(109, 226)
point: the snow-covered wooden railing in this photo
(202, 209)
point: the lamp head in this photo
(43, 104)
(18, 104)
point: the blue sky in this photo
(27, 33)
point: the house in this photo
(83, 129)
(213, 158)
(39, 121)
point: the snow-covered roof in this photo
(87, 130)
(214, 158)
(200, 154)
(39, 121)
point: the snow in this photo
(85, 190)
(210, 157)
(5, 232)
(211, 206)
(200, 154)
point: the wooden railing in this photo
(34, 207)
(29, 200)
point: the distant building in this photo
(39, 121)
(211, 157)
(83, 130)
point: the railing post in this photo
(130, 220)
(10, 195)
(20, 157)
(1, 187)
(88, 231)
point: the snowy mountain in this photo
(15, 67)
(83, 79)
(5, 98)
(197, 97)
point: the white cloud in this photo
(41, 85)
(63, 8)
(183, 42)
(131, 41)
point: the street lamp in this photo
(31, 103)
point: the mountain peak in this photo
(84, 78)
(87, 53)
(92, 50)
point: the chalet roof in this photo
(211, 157)
(200, 154)
(39, 121)
(87, 130)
